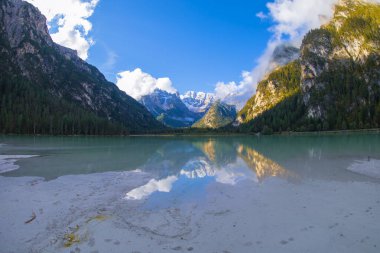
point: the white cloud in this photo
(136, 83)
(68, 20)
(292, 20)
(236, 93)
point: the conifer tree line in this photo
(27, 109)
(350, 97)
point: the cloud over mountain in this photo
(68, 22)
(291, 20)
(236, 93)
(137, 83)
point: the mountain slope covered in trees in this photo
(279, 85)
(47, 89)
(219, 115)
(339, 78)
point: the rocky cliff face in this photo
(58, 75)
(169, 109)
(219, 115)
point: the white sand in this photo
(370, 168)
(273, 216)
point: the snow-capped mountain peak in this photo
(169, 109)
(198, 102)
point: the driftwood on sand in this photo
(32, 218)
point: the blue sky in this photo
(218, 46)
(195, 43)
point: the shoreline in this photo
(206, 134)
(373, 130)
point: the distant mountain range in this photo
(193, 109)
(170, 109)
(47, 89)
(176, 110)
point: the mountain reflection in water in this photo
(222, 162)
(263, 166)
(226, 159)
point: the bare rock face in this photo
(315, 55)
(21, 21)
(28, 51)
(316, 50)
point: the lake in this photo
(311, 193)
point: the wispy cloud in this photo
(261, 15)
(110, 60)
(68, 21)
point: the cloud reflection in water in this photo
(162, 185)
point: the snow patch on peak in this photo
(198, 102)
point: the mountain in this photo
(282, 55)
(279, 85)
(47, 89)
(198, 102)
(219, 115)
(169, 109)
(337, 74)
(340, 63)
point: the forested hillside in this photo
(339, 78)
(47, 89)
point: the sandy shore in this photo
(89, 213)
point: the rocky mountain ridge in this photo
(176, 110)
(169, 109)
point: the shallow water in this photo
(182, 194)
